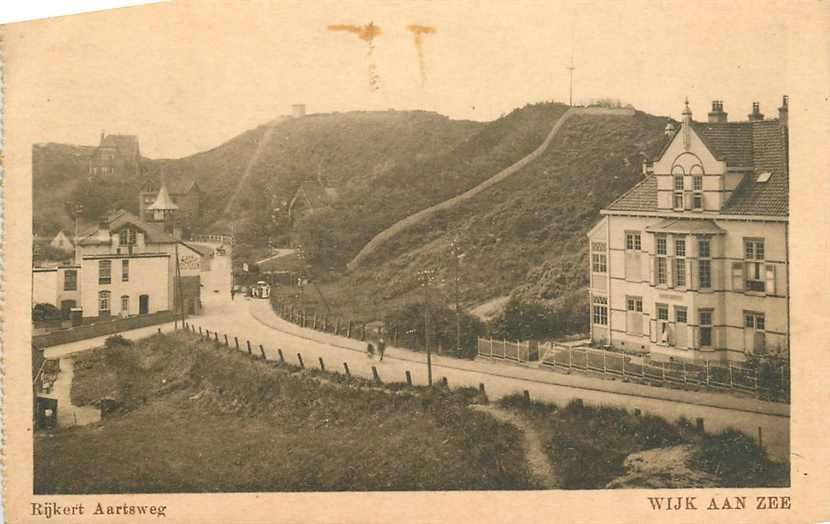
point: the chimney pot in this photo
(756, 112)
(783, 111)
(717, 115)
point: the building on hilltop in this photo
(693, 262)
(116, 155)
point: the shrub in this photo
(116, 340)
(733, 456)
(408, 320)
(45, 311)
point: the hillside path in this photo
(532, 443)
(424, 214)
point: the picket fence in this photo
(730, 376)
(507, 350)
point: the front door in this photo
(66, 307)
(143, 304)
(754, 338)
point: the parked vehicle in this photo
(261, 290)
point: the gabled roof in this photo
(759, 146)
(125, 144)
(642, 197)
(153, 234)
(176, 185)
(163, 201)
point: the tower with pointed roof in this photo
(163, 209)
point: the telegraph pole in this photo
(425, 276)
(571, 73)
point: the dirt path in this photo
(532, 443)
(505, 173)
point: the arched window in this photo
(104, 303)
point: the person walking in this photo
(233, 292)
(381, 348)
(370, 350)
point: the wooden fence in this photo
(729, 376)
(506, 350)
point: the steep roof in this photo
(758, 145)
(153, 234)
(642, 197)
(125, 144)
(163, 201)
(176, 184)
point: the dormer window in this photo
(126, 237)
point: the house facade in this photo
(63, 242)
(122, 237)
(692, 262)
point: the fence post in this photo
(322, 365)
(315, 320)
(375, 374)
(408, 378)
(482, 392)
(200, 331)
(300, 359)
(226, 341)
(445, 382)
(216, 336)
(527, 397)
(491, 347)
(262, 350)
(346, 367)
(282, 357)
(349, 329)
(236, 343)
(249, 347)
(159, 331)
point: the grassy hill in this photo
(524, 237)
(264, 165)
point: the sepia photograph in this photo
(383, 247)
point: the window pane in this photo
(749, 321)
(705, 273)
(697, 183)
(680, 272)
(703, 247)
(662, 312)
(678, 182)
(680, 248)
(680, 315)
(661, 245)
(759, 322)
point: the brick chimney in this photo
(716, 115)
(783, 111)
(756, 114)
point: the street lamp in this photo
(425, 276)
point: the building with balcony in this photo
(692, 262)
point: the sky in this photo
(187, 76)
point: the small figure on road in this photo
(370, 350)
(233, 292)
(381, 348)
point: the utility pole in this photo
(425, 276)
(571, 73)
(456, 266)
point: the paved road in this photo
(252, 320)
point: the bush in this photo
(733, 456)
(408, 321)
(116, 340)
(43, 311)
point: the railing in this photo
(506, 350)
(774, 379)
(223, 239)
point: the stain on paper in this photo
(418, 32)
(367, 33)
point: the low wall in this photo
(101, 328)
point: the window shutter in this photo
(737, 276)
(652, 270)
(670, 271)
(770, 279)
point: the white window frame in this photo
(104, 272)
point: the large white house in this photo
(692, 262)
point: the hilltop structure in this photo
(693, 262)
(116, 155)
